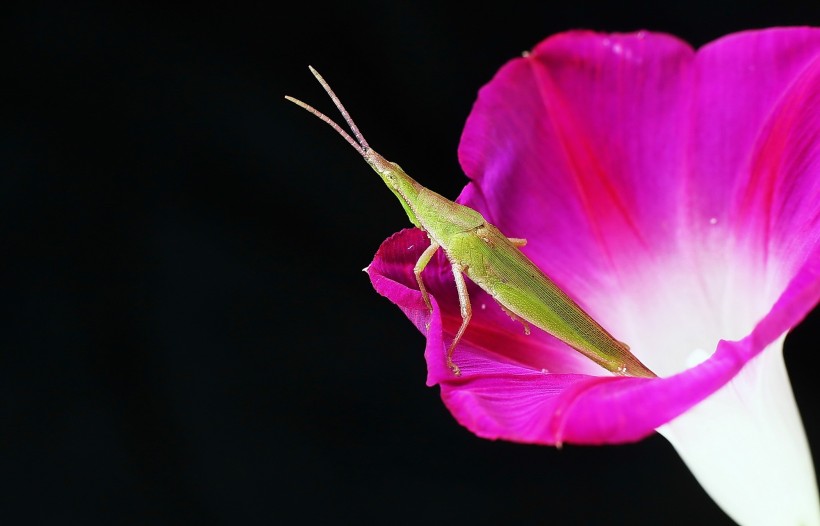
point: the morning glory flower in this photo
(675, 195)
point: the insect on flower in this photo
(490, 259)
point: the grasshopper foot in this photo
(453, 367)
(513, 317)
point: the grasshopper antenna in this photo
(359, 143)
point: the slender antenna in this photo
(327, 119)
(359, 144)
(342, 110)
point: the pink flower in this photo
(675, 195)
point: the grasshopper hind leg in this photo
(466, 314)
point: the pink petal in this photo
(579, 148)
(741, 81)
(604, 151)
(776, 198)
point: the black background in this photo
(187, 336)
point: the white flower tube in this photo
(746, 446)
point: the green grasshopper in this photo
(490, 259)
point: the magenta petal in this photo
(579, 148)
(741, 81)
(631, 163)
(776, 197)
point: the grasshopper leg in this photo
(518, 241)
(466, 314)
(514, 317)
(424, 259)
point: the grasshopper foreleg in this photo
(424, 259)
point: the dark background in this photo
(187, 336)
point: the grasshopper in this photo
(490, 259)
